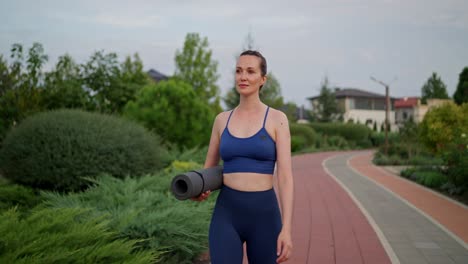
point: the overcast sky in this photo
(303, 40)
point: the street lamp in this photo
(387, 107)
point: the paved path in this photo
(328, 226)
(348, 211)
(420, 225)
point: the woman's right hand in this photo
(202, 196)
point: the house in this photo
(361, 106)
(157, 76)
(411, 108)
(407, 109)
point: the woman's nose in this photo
(242, 76)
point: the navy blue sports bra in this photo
(256, 153)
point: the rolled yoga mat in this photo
(193, 183)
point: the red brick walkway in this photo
(328, 227)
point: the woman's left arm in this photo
(285, 184)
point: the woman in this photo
(250, 139)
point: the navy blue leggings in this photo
(238, 217)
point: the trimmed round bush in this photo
(297, 143)
(308, 135)
(56, 150)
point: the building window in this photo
(351, 103)
(379, 104)
(363, 103)
(405, 115)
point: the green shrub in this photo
(337, 141)
(407, 172)
(64, 236)
(442, 125)
(54, 150)
(452, 189)
(378, 138)
(12, 195)
(297, 143)
(174, 111)
(380, 159)
(307, 133)
(144, 208)
(455, 159)
(432, 179)
(425, 160)
(196, 154)
(349, 131)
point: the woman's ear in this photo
(264, 79)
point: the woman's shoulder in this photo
(222, 116)
(277, 116)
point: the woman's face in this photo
(248, 74)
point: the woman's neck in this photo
(250, 103)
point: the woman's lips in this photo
(243, 85)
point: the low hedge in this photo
(56, 150)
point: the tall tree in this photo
(63, 86)
(99, 77)
(270, 93)
(172, 110)
(327, 109)
(290, 109)
(461, 94)
(130, 79)
(195, 66)
(434, 88)
(21, 84)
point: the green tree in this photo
(270, 93)
(232, 98)
(113, 85)
(434, 88)
(442, 124)
(195, 66)
(409, 135)
(7, 83)
(290, 109)
(63, 86)
(173, 110)
(461, 94)
(130, 79)
(20, 85)
(327, 109)
(99, 78)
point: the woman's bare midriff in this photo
(248, 181)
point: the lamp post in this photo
(387, 107)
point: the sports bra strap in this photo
(266, 114)
(229, 118)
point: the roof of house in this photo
(353, 92)
(157, 76)
(406, 102)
